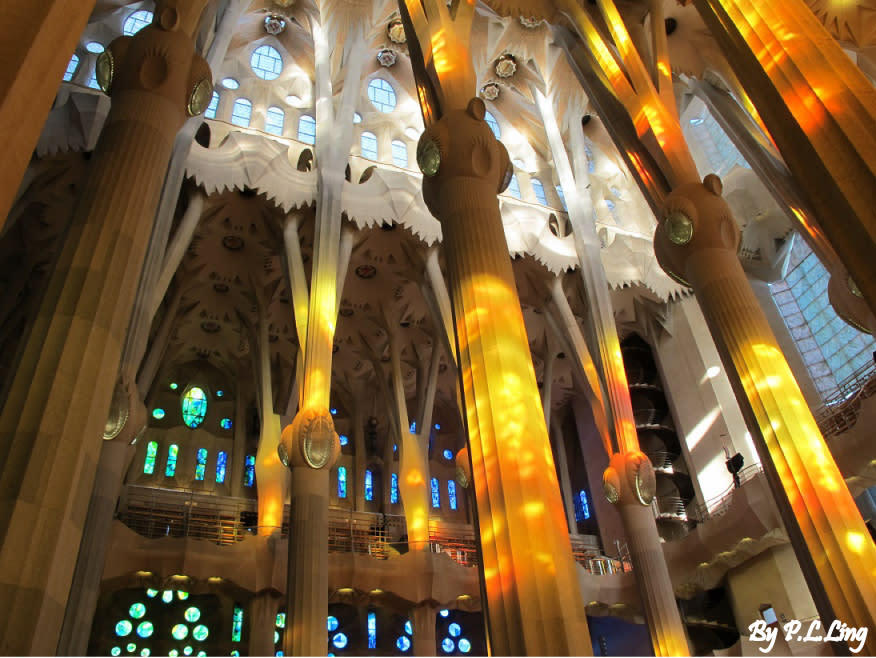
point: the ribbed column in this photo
(307, 583)
(53, 418)
(423, 624)
(629, 482)
(697, 240)
(36, 43)
(263, 609)
(533, 605)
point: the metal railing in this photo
(669, 508)
(719, 504)
(156, 513)
(840, 412)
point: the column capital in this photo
(629, 479)
(694, 217)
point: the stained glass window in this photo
(369, 145)
(332, 623)
(342, 481)
(201, 468)
(307, 129)
(339, 640)
(266, 62)
(451, 493)
(382, 95)
(369, 485)
(399, 153)
(225, 423)
(582, 506)
(562, 196)
(210, 113)
(393, 488)
(538, 188)
(372, 630)
(151, 454)
(71, 68)
(170, 469)
(136, 22)
(514, 187)
(249, 471)
(275, 118)
(237, 624)
(194, 407)
(221, 464)
(436, 493)
(241, 112)
(493, 124)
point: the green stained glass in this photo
(137, 610)
(116, 651)
(158, 413)
(124, 628)
(151, 454)
(192, 614)
(194, 407)
(200, 632)
(151, 593)
(180, 632)
(201, 468)
(182, 594)
(187, 650)
(173, 653)
(173, 386)
(145, 652)
(281, 620)
(145, 628)
(276, 637)
(237, 624)
(131, 647)
(167, 595)
(170, 469)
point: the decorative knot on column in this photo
(461, 145)
(463, 468)
(694, 217)
(310, 440)
(629, 479)
(848, 300)
(127, 415)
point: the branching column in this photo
(696, 241)
(56, 410)
(533, 602)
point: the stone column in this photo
(629, 482)
(423, 624)
(36, 44)
(532, 604)
(696, 242)
(56, 410)
(263, 609)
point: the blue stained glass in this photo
(451, 493)
(194, 407)
(220, 393)
(249, 471)
(464, 645)
(393, 488)
(170, 469)
(582, 506)
(151, 453)
(209, 113)
(448, 645)
(538, 188)
(266, 62)
(514, 187)
(237, 624)
(241, 112)
(124, 628)
(562, 197)
(454, 629)
(225, 423)
(344, 439)
(342, 483)
(493, 124)
(136, 22)
(413, 427)
(382, 95)
(221, 464)
(444, 613)
(409, 628)
(201, 468)
(372, 630)
(307, 129)
(403, 643)
(332, 623)
(436, 493)
(158, 413)
(71, 68)
(448, 455)
(369, 486)
(368, 142)
(339, 640)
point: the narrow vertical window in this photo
(342, 481)
(71, 68)
(307, 129)
(241, 113)
(369, 485)
(221, 465)
(493, 124)
(372, 630)
(237, 624)
(275, 119)
(170, 469)
(436, 493)
(368, 142)
(249, 471)
(582, 506)
(151, 454)
(201, 467)
(451, 493)
(399, 153)
(562, 197)
(210, 112)
(514, 187)
(538, 188)
(393, 488)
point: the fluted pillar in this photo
(533, 604)
(56, 410)
(36, 43)
(423, 624)
(263, 609)
(629, 482)
(696, 241)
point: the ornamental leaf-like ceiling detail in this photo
(852, 22)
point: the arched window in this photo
(493, 124)
(399, 153)
(538, 188)
(136, 22)
(562, 197)
(582, 506)
(436, 493)
(170, 469)
(342, 481)
(274, 120)
(382, 95)
(241, 113)
(210, 112)
(369, 485)
(393, 488)
(92, 81)
(249, 471)
(369, 145)
(266, 62)
(307, 129)
(194, 407)
(221, 465)
(451, 493)
(514, 187)
(201, 467)
(151, 454)
(71, 68)
(372, 629)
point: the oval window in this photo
(194, 407)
